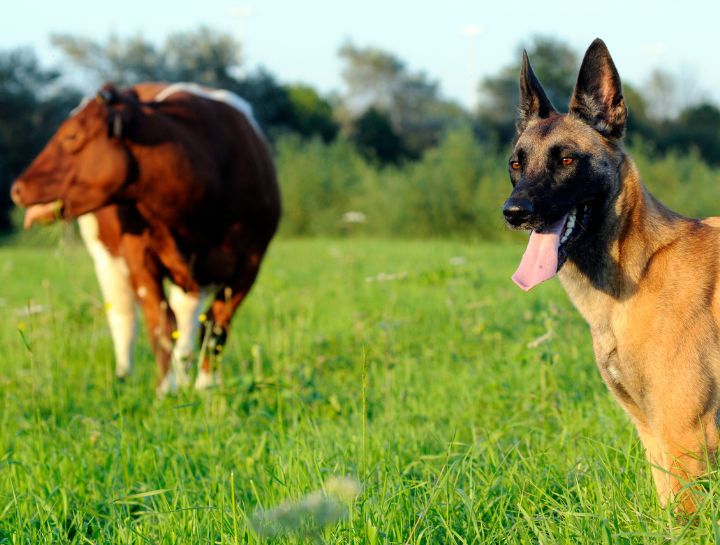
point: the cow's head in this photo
(85, 164)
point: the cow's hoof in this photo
(181, 364)
(182, 380)
(206, 379)
(121, 375)
(168, 385)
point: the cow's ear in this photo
(131, 96)
(117, 124)
(534, 103)
(128, 109)
(108, 94)
(598, 98)
(122, 109)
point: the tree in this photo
(668, 95)
(210, 58)
(204, 56)
(639, 123)
(270, 101)
(555, 64)
(312, 115)
(373, 135)
(695, 127)
(32, 105)
(376, 79)
(661, 91)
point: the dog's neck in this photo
(606, 270)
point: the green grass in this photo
(423, 387)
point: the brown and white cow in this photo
(168, 182)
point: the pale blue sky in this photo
(298, 40)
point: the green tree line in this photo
(387, 155)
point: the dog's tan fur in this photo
(655, 327)
(651, 299)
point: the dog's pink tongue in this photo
(540, 260)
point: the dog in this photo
(643, 277)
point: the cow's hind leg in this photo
(146, 275)
(186, 307)
(214, 330)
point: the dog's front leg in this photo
(690, 452)
(679, 455)
(656, 457)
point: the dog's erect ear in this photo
(598, 98)
(534, 103)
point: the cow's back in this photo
(220, 126)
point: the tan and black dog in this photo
(644, 278)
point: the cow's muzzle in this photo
(16, 192)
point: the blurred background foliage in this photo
(389, 154)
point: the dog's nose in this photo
(517, 211)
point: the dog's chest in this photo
(620, 373)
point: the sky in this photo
(297, 40)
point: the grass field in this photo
(470, 411)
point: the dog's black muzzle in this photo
(518, 211)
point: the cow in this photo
(168, 182)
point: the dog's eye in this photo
(515, 165)
(567, 161)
